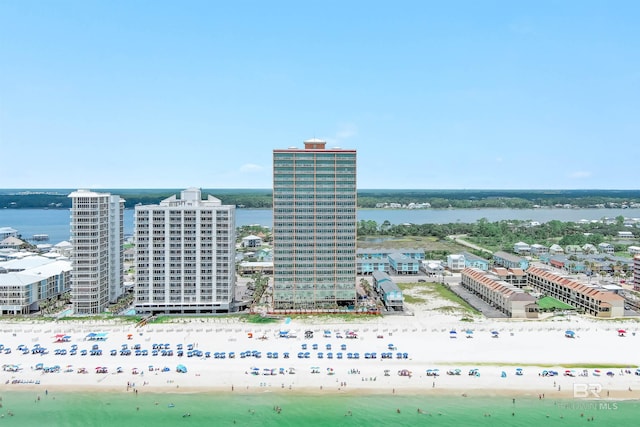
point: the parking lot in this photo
(477, 303)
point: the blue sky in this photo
(433, 94)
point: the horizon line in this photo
(359, 189)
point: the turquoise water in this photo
(127, 409)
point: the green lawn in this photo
(549, 303)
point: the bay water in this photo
(55, 222)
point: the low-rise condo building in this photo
(590, 299)
(508, 298)
(26, 282)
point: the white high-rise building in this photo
(185, 255)
(97, 260)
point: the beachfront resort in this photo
(183, 262)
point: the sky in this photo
(432, 94)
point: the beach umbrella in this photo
(495, 332)
(453, 331)
(569, 334)
(469, 331)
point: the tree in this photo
(367, 228)
(259, 281)
(364, 283)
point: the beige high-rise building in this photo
(314, 227)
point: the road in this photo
(458, 238)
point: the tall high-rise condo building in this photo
(185, 255)
(314, 227)
(97, 237)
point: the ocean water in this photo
(202, 409)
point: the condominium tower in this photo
(97, 258)
(185, 255)
(314, 227)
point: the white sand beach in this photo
(424, 341)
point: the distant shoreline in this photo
(367, 198)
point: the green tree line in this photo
(503, 234)
(438, 199)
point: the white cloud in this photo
(251, 168)
(346, 131)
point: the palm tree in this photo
(364, 283)
(603, 274)
(617, 274)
